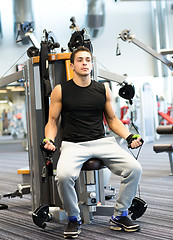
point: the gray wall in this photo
(55, 15)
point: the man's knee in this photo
(137, 169)
(65, 177)
(133, 171)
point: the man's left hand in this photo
(134, 141)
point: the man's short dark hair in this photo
(79, 49)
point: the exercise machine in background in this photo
(168, 147)
(125, 35)
(149, 114)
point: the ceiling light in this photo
(3, 101)
(3, 91)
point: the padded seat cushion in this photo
(165, 129)
(93, 164)
(163, 148)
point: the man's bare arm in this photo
(114, 123)
(54, 114)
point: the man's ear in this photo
(72, 66)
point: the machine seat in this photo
(163, 148)
(165, 129)
(93, 164)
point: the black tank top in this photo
(82, 111)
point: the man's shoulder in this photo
(57, 89)
(67, 83)
(56, 94)
(98, 84)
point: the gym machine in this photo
(3, 82)
(90, 185)
(148, 126)
(125, 35)
(167, 147)
(41, 74)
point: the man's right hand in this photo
(49, 144)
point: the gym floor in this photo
(156, 189)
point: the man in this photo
(81, 103)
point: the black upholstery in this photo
(93, 164)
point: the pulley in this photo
(127, 92)
(138, 208)
(76, 40)
(41, 215)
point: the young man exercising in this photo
(82, 103)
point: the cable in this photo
(13, 64)
(102, 65)
(139, 190)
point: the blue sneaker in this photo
(73, 228)
(122, 222)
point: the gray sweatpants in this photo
(120, 162)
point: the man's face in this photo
(82, 63)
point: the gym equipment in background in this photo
(168, 147)
(125, 35)
(79, 38)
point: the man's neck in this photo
(82, 81)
